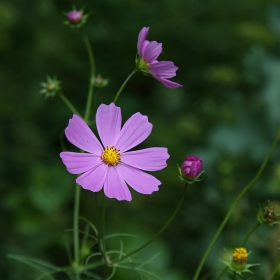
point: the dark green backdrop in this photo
(227, 112)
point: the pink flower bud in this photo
(75, 16)
(191, 167)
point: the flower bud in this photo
(239, 258)
(100, 82)
(268, 215)
(191, 167)
(74, 16)
(190, 170)
(50, 87)
(238, 261)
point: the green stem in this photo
(92, 76)
(76, 229)
(102, 238)
(249, 234)
(222, 273)
(123, 85)
(274, 271)
(68, 103)
(159, 232)
(241, 194)
(100, 234)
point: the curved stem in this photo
(241, 194)
(274, 271)
(68, 103)
(222, 273)
(76, 229)
(249, 234)
(123, 85)
(102, 239)
(158, 233)
(92, 76)
(78, 188)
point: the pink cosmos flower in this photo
(110, 165)
(148, 53)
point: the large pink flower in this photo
(109, 164)
(148, 53)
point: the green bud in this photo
(50, 87)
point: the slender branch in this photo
(68, 103)
(76, 229)
(249, 234)
(123, 85)
(274, 271)
(158, 233)
(241, 194)
(222, 273)
(92, 76)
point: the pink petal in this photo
(108, 122)
(93, 179)
(115, 186)
(140, 181)
(167, 83)
(141, 38)
(135, 130)
(164, 69)
(77, 163)
(152, 51)
(150, 159)
(80, 135)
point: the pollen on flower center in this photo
(240, 255)
(111, 156)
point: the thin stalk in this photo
(123, 85)
(274, 271)
(241, 194)
(78, 188)
(102, 239)
(68, 103)
(99, 222)
(92, 76)
(249, 234)
(76, 229)
(222, 273)
(158, 233)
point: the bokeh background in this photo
(227, 113)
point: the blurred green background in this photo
(227, 113)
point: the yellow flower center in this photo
(111, 156)
(240, 255)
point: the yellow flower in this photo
(240, 255)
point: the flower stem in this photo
(249, 234)
(158, 233)
(68, 103)
(274, 271)
(78, 188)
(123, 85)
(92, 76)
(76, 229)
(241, 194)
(222, 273)
(100, 230)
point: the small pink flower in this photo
(75, 16)
(110, 165)
(148, 53)
(191, 167)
